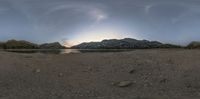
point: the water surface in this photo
(63, 51)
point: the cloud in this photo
(98, 15)
(147, 8)
(94, 13)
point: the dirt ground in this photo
(151, 74)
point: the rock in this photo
(148, 84)
(163, 80)
(89, 68)
(149, 73)
(188, 85)
(132, 71)
(37, 71)
(60, 74)
(124, 84)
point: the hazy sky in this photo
(75, 21)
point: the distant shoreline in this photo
(126, 43)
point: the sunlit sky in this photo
(74, 21)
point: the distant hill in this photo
(55, 45)
(21, 44)
(2, 45)
(127, 43)
(14, 44)
(194, 45)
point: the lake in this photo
(63, 51)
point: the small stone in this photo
(89, 68)
(163, 80)
(124, 83)
(147, 84)
(149, 73)
(188, 85)
(132, 71)
(37, 70)
(60, 74)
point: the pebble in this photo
(89, 68)
(37, 70)
(60, 74)
(124, 84)
(163, 80)
(132, 71)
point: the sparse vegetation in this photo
(15, 44)
(194, 45)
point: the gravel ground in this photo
(139, 74)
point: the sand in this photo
(151, 74)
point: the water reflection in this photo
(63, 51)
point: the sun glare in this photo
(94, 36)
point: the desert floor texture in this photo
(138, 74)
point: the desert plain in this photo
(137, 74)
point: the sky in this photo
(74, 21)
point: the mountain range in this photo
(21, 44)
(126, 43)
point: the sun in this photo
(97, 34)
